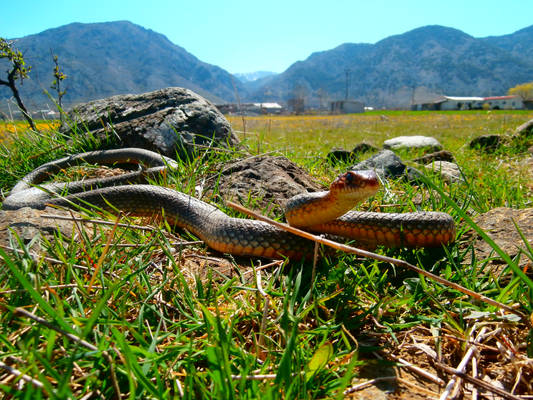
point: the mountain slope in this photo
(431, 59)
(104, 59)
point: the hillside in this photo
(104, 59)
(399, 69)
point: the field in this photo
(308, 135)
(129, 312)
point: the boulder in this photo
(172, 121)
(413, 143)
(267, 180)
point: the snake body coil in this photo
(235, 235)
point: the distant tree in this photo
(18, 70)
(524, 90)
(59, 77)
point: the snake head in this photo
(355, 185)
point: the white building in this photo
(459, 103)
(472, 103)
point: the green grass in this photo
(164, 321)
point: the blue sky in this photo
(246, 36)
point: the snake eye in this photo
(350, 177)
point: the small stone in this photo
(385, 163)
(449, 171)
(442, 155)
(413, 143)
(364, 147)
(486, 143)
(340, 155)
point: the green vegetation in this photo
(133, 311)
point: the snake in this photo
(325, 212)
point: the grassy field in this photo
(123, 312)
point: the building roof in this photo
(456, 98)
(500, 98)
(268, 105)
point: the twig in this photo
(254, 377)
(370, 382)
(478, 382)
(262, 267)
(24, 377)
(264, 318)
(462, 365)
(51, 287)
(368, 254)
(405, 364)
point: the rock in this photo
(526, 129)
(413, 143)
(28, 224)
(498, 224)
(385, 163)
(268, 180)
(442, 155)
(364, 147)
(449, 171)
(168, 121)
(486, 143)
(340, 155)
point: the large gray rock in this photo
(172, 121)
(413, 143)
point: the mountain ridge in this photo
(104, 59)
(424, 62)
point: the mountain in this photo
(105, 59)
(253, 76)
(403, 68)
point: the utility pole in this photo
(347, 71)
